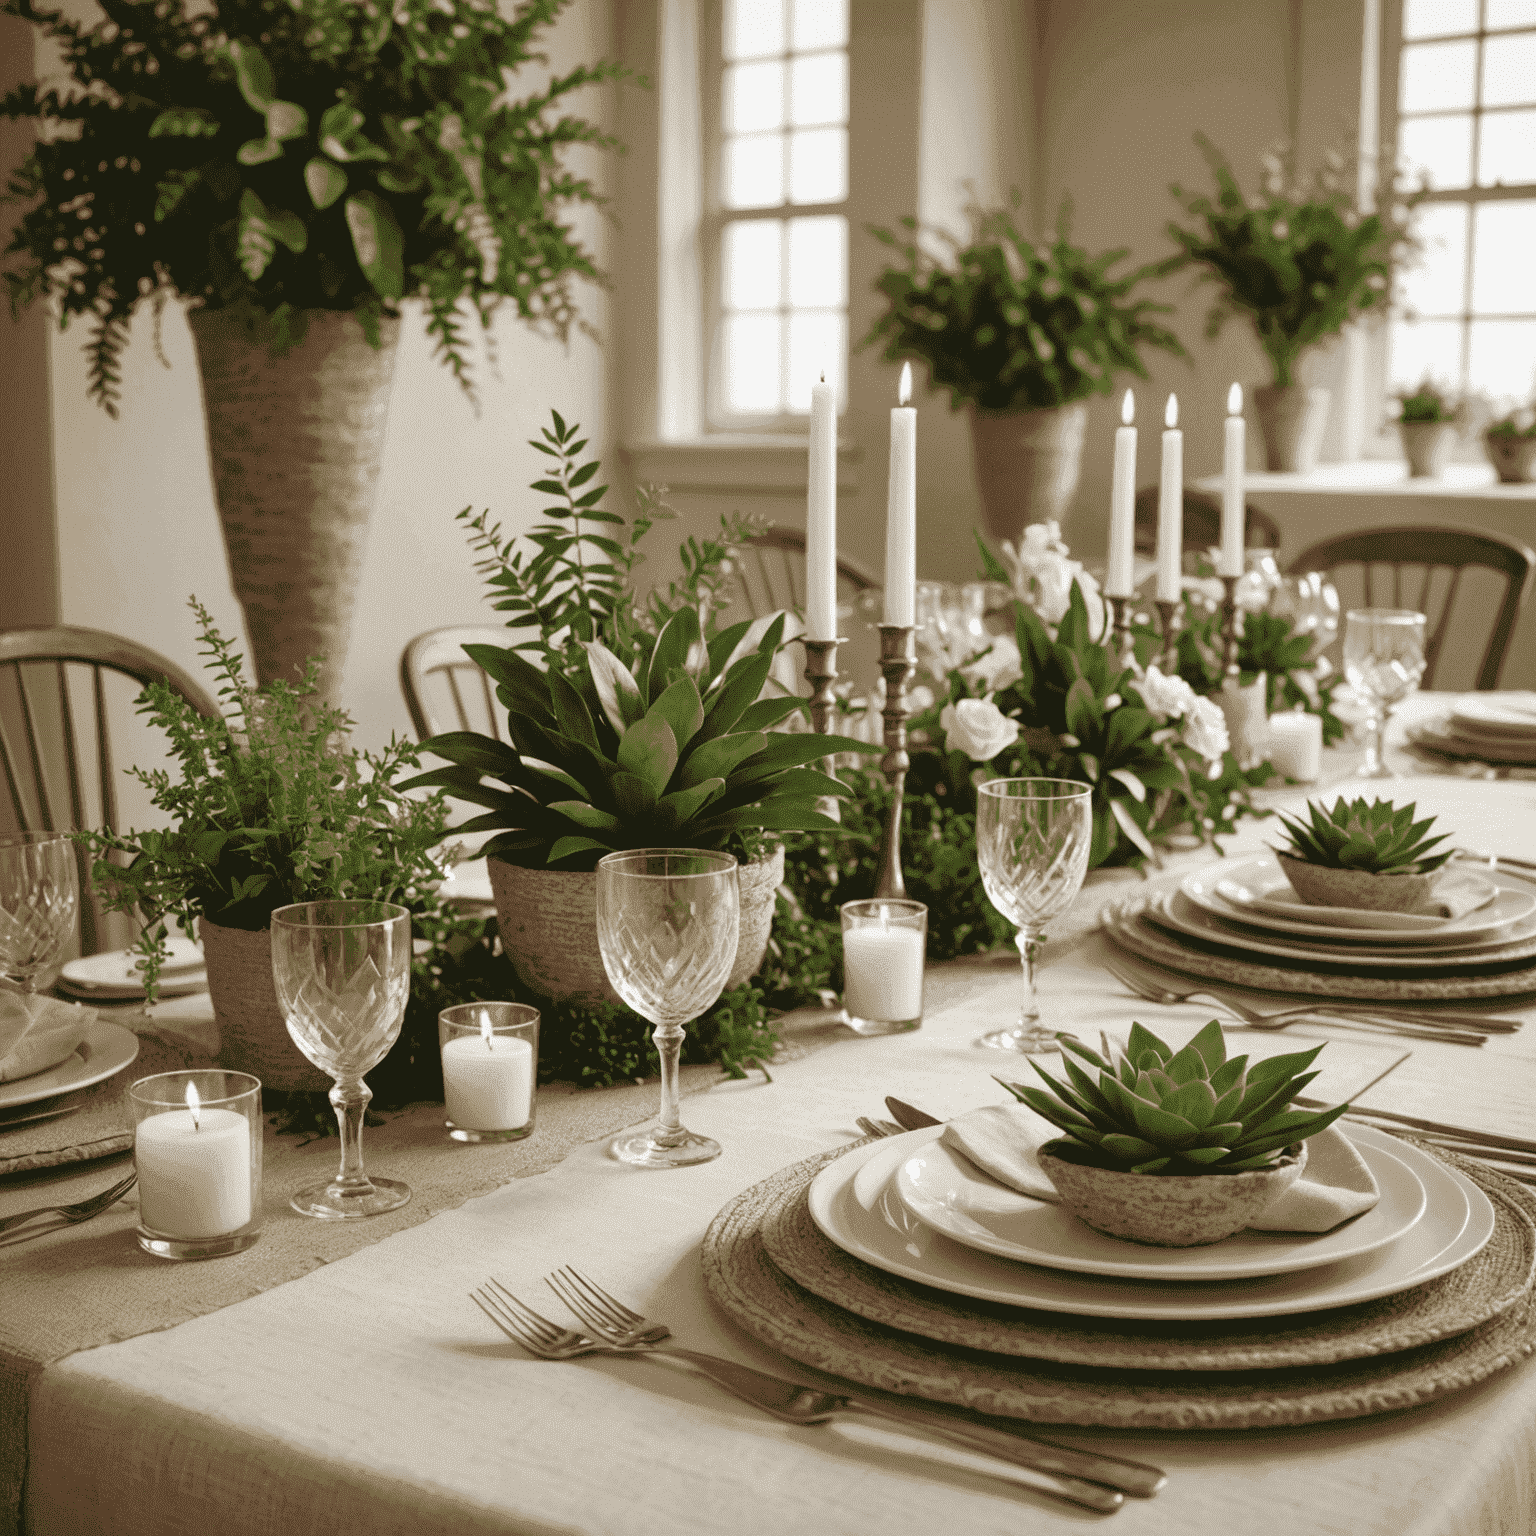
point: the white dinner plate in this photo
(1507, 714)
(118, 974)
(949, 1193)
(1458, 1221)
(106, 1049)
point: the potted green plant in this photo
(1300, 261)
(1511, 446)
(1429, 421)
(296, 172)
(270, 807)
(1374, 857)
(1174, 1148)
(644, 726)
(1020, 332)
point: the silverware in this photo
(877, 1127)
(75, 1213)
(1521, 869)
(909, 1117)
(1489, 1139)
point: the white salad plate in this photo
(1505, 714)
(105, 1051)
(1458, 1221)
(118, 974)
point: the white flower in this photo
(1042, 573)
(1205, 729)
(978, 728)
(1164, 695)
(998, 667)
(919, 697)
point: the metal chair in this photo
(433, 667)
(771, 567)
(1202, 523)
(1422, 568)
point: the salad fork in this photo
(83, 1211)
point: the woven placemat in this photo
(1487, 1285)
(756, 1294)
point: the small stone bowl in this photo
(1178, 1211)
(1319, 886)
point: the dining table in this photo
(339, 1377)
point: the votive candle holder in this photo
(490, 1070)
(884, 941)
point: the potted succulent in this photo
(1429, 421)
(1020, 332)
(1177, 1149)
(270, 807)
(1374, 857)
(1300, 261)
(645, 726)
(296, 171)
(1511, 447)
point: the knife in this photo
(908, 1117)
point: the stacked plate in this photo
(118, 975)
(1484, 727)
(105, 1051)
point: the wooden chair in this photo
(771, 568)
(1422, 569)
(446, 691)
(1202, 523)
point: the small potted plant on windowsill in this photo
(1511, 447)
(1429, 421)
(1374, 858)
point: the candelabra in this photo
(821, 673)
(898, 663)
(1229, 630)
(1170, 617)
(1121, 645)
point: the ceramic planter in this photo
(1513, 458)
(1181, 1211)
(1320, 886)
(1292, 418)
(1027, 465)
(548, 924)
(1427, 445)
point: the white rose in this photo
(1205, 729)
(999, 666)
(1165, 695)
(978, 728)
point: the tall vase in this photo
(295, 443)
(1027, 465)
(1292, 419)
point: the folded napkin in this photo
(1004, 1140)
(38, 1032)
(1459, 892)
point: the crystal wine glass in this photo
(343, 974)
(1032, 841)
(667, 922)
(39, 905)
(1383, 661)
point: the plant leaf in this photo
(379, 245)
(325, 179)
(648, 749)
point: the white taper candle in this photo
(1233, 464)
(821, 517)
(1170, 508)
(1120, 577)
(901, 511)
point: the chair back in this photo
(1423, 569)
(1202, 523)
(770, 571)
(446, 691)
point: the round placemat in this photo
(761, 1298)
(1488, 1284)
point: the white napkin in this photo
(1003, 1140)
(38, 1032)
(1457, 893)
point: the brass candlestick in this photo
(1229, 635)
(1170, 618)
(821, 673)
(898, 664)
(1122, 646)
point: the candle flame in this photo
(1235, 400)
(1171, 413)
(1128, 408)
(904, 389)
(485, 1028)
(195, 1104)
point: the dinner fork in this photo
(75, 1213)
(877, 1127)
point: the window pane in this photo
(1508, 152)
(1438, 77)
(750, 257)
(819, 89)
(1440, 148)
(818, 166)
(754, 97)
(816, 347)
(1437, 285)
(1427, 349)
(1504, 237)
(820, 24)
(754, 172)
(752, 364)
(818, 263)
(1504, 358)
(753, 28)
(1509, 70)
(1436, 18)
(1511, 13)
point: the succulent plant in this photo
(1157, 1110)
(1378, 838)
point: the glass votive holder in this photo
(197, 1150)
(883, 945)
(490, 1069)
(1296, 745)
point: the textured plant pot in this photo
(252, 1034)
(548, 924)
(294, 443)
(1027, 465)
(1513, 458)
(1319, 886)
(1292, 419)
(1427, 445)
(1182, 1211)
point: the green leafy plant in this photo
(1379, 838)
(1006, 323)
(1428, 405)
(276, 158)
(1517, 424)
(1159, 1111)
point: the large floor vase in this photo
(1027, 464)
(548, 924)
(294, 444)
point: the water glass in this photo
(1383, 662)
(490, 1068)
(1032, 841)
(39, 906)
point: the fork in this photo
(75, 1213)
(877, 1127)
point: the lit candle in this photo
(883, 972)
(488, 1080)
(1170, 508)
(901, 510)
(821, 517)
(1232, 466)
(194, 1168)
(1120, 577)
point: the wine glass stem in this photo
(668, 1039)
(1029, 952)
(1376, 741)
(350, 1100)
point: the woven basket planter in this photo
(548, 924)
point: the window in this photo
(1466, 118)
(776, 221)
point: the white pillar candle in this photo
(488, 1082)
(901, 510)
(194, 1172)
(1170, 508)
(1233, 465)
(821, 517)
(1296, 745)
(1120, 577)
(883, 972)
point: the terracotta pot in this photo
(1181, 1211)
(1513, 458)
(1292, 419)
(1427, 445)
(548, 924)
(1320, 886)
(1027, 465)
(294, 443)
(252, 1034)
